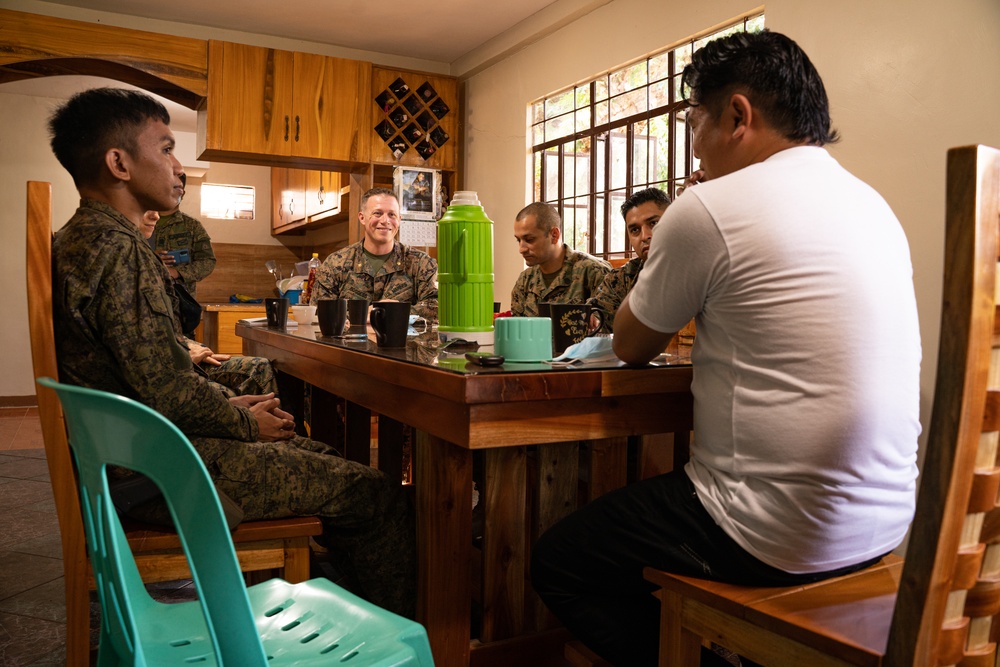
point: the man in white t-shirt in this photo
(806, 364)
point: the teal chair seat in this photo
(273, 623)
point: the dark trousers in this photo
(588, 567)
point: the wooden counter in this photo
(218, 325)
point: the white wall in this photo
(907, 80)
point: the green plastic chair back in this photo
(273, 623)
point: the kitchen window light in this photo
(228, 202)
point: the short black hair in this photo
(546, 216)
(661, 198)
(773, 72)
(94, 121)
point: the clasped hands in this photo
(273, 422)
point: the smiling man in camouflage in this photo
(378, 267)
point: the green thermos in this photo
(465, 271)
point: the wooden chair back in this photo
(940, 606)
(949, 594)
(261, 546)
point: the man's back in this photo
(807, 359)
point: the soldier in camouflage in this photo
(379, 267)
(115, 331)
(176, 231)
(641, 212)
(234, 376)
(556, 273)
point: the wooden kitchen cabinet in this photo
(415, 119)
(292, 107)
(301, 198)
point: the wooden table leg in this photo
(555, 495)
(324, 423)
(390, 447)
(503, 543)
(608, 465)
(358, 445)
(443, 480)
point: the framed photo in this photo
(416, 190)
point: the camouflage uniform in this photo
(407, 275)
(579, 278)
(115, 332)
(612, 291)
(179, 230)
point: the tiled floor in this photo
(32, 603)
(32, 608)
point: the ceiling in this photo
(438, 30)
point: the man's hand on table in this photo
(273, 422)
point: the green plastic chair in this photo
(273, 623)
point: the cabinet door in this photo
(331, 117)
(288, 197)
(249, 107)
(414, 119)
(322, 194)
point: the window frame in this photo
(603, 196)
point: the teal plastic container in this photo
(465, 269)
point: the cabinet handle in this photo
(291, 207)
(281, 212)
(296, 129)
(321, 194)
(286, 128)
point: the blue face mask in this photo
(592, 348)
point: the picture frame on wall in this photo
(416, 189)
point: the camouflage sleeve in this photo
(133, 313)
(609, 296)
(593, 277)
(328, 279)
(519, 295)
(425, 288)
(202, 256)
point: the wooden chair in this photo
(260, 545)
(939, 606)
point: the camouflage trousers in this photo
(364, 514)
(243, 376)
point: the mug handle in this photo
(598, 314)
(376, 319)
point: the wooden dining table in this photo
(544, 433)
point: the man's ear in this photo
(556, 234)
(116, 162)
(740, 113)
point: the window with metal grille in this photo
(597, 142)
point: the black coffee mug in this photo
(332, 314)
(357, 313)
(276, 311)
(571, 323)
(390, 320)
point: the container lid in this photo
(465, 198)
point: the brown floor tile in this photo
(18, 525)
(15, 413)
(23, 467)
(22, 572)
(47, 602)
(24, 640)
(21, 492)
(49, 546)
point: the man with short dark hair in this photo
(115, 331)
(641, 212)
(556, 273)
(378, 267)
(803, 465)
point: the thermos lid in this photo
(465, 198)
